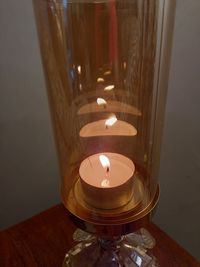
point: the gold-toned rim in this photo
(117, 225)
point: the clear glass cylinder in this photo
(106, 75)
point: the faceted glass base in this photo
(124, 251)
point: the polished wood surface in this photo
(44, 239)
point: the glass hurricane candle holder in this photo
(106, 68)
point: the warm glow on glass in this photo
(112, 106)
(108, 72)
(101, 101)
(111, 121)
(79, 69)
(109, 87)
(100, 80)
(101, 128)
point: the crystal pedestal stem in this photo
(125, 251)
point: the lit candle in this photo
(107, 180)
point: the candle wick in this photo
(107, 170)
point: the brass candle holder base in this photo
(116, 222)
(124, 251)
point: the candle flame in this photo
(100, 80)
(105, 162)
(101, 101)
(105, 183)
(112, 120)
(79, 69)
(109, 87)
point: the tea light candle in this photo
(107, 180)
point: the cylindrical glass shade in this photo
(106, 87)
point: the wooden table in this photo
(44, 239)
